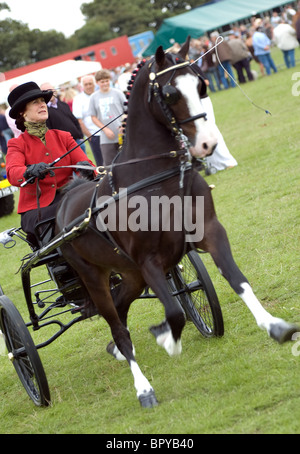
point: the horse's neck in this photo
(147, 146)
(145, 136)
(145, 139)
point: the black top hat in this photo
(24, 93)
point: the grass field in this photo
(241, 383)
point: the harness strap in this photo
(104, 169)
(176, 66)
(149, 181)
(132, 188)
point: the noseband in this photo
(168, 95)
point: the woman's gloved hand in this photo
(36, 171)
(86, 173)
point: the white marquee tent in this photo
(57, 75)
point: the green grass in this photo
(241, 383)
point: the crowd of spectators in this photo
(246, 49)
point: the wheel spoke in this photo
(193, 288)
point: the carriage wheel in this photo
(23, 353)
(198, 297)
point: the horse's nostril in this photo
(212, 150)
(205, 146)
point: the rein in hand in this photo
(51, 166)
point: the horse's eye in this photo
(170, 94)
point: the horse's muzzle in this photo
(205, 149)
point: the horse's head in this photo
(175, 91)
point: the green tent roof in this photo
(207, 18)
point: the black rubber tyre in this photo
(26, 361)
(7, 205)
(197, 295)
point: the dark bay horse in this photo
(165, 128)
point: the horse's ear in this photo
(160, 56)
(185, 48)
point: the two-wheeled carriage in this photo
(62, 301)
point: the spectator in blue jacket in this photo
(261, 45)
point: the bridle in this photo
(165, 96)
(168, 95)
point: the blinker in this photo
(170, 94)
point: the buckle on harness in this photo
(101, 170)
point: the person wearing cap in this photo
(29, 155)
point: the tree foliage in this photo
(105, 19)
(21, 46)
(129, 18)
(93, 32)
(39, 45)
(14, 44)
(4, 6)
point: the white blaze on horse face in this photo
(206, 134)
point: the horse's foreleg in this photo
(122, 347)
(218, 245)
(96, 282)
(145, 392)
(128, 289)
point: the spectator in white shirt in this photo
(80, 106)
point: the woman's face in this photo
(36, 111)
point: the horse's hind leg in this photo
(216, 242)
(168, 333)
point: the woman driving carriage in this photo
(28, 157)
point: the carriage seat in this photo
(60, 271)
(44, 231)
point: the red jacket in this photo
(27, 150)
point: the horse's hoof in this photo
(113, 350)
(110, 348)
(148, 399)
(157, 330)
(283, 332)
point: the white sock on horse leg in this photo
(262, 317)
(141, 383)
